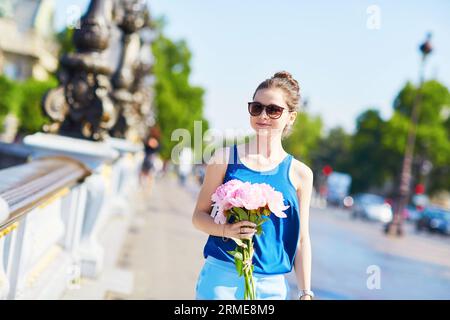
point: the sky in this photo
(347, 56)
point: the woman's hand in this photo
(240, 230)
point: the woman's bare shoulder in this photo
(302, 168)
(301, 174)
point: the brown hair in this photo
(284, 81)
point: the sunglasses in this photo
(272, 110)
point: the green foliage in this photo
(334, 149)
(23, 99)
(433, 131)
(435, 97)
(65, 41)
(306, 133)
(31, 115)
(367, 160)
(178, 103)
(374, 154)
(9, 98)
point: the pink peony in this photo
(224, 199)
(220, 217)
(251, 196)
(236, 193)
(248, 196)
(274, 200)
(276, 204)
(226, 191)
(258, 196)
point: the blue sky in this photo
(343, 66)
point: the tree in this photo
(334, 150)
(177, 102)
(23, 99)
(367, 162)
(30, 112)
(433, 133)
(306, 133)
(10, 98)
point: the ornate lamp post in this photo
(395, 226)
(80, 107)
(97, 98)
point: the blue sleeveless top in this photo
(274, 249)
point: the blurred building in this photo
(27, 44)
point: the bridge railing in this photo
(52, 210)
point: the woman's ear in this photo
(292, 117)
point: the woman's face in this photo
(265, 125)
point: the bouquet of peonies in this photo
(246, 202)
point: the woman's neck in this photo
(268, 146)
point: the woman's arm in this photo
(302, 263)
(201, 218)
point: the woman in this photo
(285, 243)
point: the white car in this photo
(372, 207)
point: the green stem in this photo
(249, 293)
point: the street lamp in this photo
(395, 226)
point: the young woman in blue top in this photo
(285, 243)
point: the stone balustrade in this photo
(52, 210)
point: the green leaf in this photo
(242, 213)
(238, 255)
(262, 221)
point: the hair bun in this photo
(286, 75)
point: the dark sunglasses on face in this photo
(272, 110)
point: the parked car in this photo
(434, 219)
(371, 207)
(413, 213)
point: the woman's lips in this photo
(263, 124)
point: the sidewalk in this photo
(163, 249)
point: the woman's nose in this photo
(264, 114)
